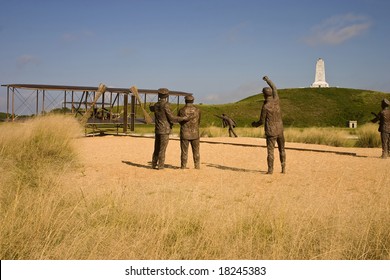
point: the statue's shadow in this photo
(222, 167)
(147, 166)
(212, 165)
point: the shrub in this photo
(36, 155)
(368, 136)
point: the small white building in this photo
(352, 124)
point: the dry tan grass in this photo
(113, 206)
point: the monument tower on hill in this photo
(319, 80)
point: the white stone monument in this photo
(320, 74)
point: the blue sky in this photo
(216, 49)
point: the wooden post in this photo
(43, 102)
(7, 103)
(64, 105)
(132, 118)
(111, 105)
(178, 103)
(125, 104)
(103, 100)
(72, 102)
(86, 100)
(13, 104)
(36, 104)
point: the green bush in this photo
(368, 136)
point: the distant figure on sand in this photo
(384, 126)
(164, 119)
(189, 132)
(227, 121)
(271, 117)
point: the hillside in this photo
(2, 116)
(301, 107)
(304, 107)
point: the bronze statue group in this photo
(189, 119)
(270, 116)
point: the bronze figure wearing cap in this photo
(230, 123)
(271, 117)
(384, 126)
(189, 132)
(164, 119)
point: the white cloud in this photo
(236, 33)
(235, 94)
(127, 52)
(212, 98)
(27, 59)
(338, 29)
(70, 37)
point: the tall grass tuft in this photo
(319, 135)
(215, 131)
(36, 155)
(368, 136)
(36, 146)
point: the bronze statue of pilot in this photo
(189, 132)
(271, 117)
(384, 126)
(164, 119)
(230, 123)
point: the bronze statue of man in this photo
(189, 132)
(228, 122)
(271, 117)
(384, 126)
(164, 119)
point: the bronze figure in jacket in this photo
(383, 117)
(164, 120)
(271, 117)
(189, 132)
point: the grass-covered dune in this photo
(304, 107)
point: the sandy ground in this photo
(228, 162)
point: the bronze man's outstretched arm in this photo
(272, 86)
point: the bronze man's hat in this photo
(189, 99)
(163, 92)
(386, 101)
(267, 91)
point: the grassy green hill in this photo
(2, 116)
(304, 107)
(301, 107)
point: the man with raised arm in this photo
(271, 117)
